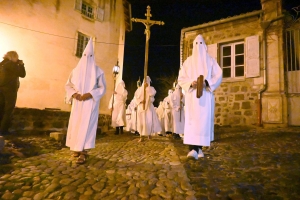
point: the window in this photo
(87, 10)
(292, 50)
(127, 15)
(82, 41)
(232, 60)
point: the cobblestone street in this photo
(241, 163)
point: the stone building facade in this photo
(50, 35)
(250, 48)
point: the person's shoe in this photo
(82, 158)
(160, 135)
(76, 154)
(121, 130)
(117, 131)
(200, 153)
(192, 154)
(137, 133)
(176, 136)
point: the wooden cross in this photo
(148, 23)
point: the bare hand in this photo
(194, 84)
(86, 96)
(77, 96)
(115, 92)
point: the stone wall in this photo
(48, 120)
(236, 104)
(235, 99)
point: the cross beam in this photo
(148, 23)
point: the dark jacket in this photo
(9, 74)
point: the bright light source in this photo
(116, 68)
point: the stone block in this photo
(2, 143)
(246, 105)
(38, 124)
(248, 113)
(238, 113)
(58, 124)
(239, 97)
(236, 106)
(235, 121)
(235, 89)
(244, 89)
(221, 98)
(58, 136)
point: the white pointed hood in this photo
(177, 92)
(120, 87)
(84, 74)
(141, 89)
(200, 57)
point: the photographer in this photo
(11, 68)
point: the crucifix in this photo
(148, 23)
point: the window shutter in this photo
(127, 15)
(100, 14)
(78, 5)
(252, 56)
(212, 50)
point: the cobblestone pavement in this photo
(241, 163)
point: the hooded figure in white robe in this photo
(168, 113)
(199, 112)
(134, 117)
(128, 118)
(86, 86)
(118, 102)
(177, 104)
(148, 122)
(161, 118)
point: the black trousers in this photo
(194, 147)
(119, 129)
(7, 104)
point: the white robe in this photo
(199, 113)
(161, 118)
(85, 78)
(148, 122)
(128, 118)
(83, 120)
(168, 119)
(134, 117)
(177, 105)
(118, 113)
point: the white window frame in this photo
(89, 10)
(84, 41)
(96, 14)
(232, 64)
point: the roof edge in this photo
(221, 21)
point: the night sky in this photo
(164, 45)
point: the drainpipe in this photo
(265, 25)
